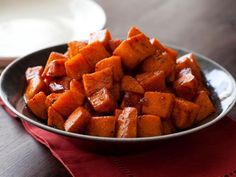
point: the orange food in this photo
(158, 103)
(55, 119)
(134, 50)
(102, 126)
(152, 81)
(149, 125)
(113, 62)
(127, 123)
(77, 66)
(102, 101)
(206, 106)
(184, 113)
(130, 84)
(95, 81)
(37, 105)
(134, 87)
(94, 52)
(77, 121)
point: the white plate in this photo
(28, 25)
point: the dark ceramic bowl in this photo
(12, 87)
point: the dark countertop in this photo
(206, 27)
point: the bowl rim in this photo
(114, 139)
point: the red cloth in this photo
(210, 152)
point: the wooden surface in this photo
(207, 27)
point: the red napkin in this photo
(210, 152)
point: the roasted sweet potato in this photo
(104, 36)
(55, 68)
(158, 103)
(130, 84)
(55, 56)
(132, 99)
(37, 105)
(102, 101)
(77, 66)
(184, 113)
(55, 119)
(102, 126)
(152, 81)
(94, 52)
(113, 44)
(167, 126)
(68, 102)
(133, 31)
(51, 99)
(77, 86)
(34, 86)
(74, 47)
(32, 72)
(60, 84)
(161, 48)
(161, 62)
(149, 125)
(127, 123)
(134, 50)
(77, 121)
(116, 91)
(206, 106)
(114, 63)
(186, 85)
(95, 81)
(189, 61)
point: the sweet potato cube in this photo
(94, 52)
(167, 126)
(34, 86)
(77, 66)
(116, 91)
(113, 62)
(186, 85)
(37, 105)
(74, 47)
(102, 126)
(206, 106)
(152, 81)
(127, 123)
(68, 102)
(130, 84)
(104, 36)
(149, 125)
(55, 56)
(157, 103)
(161, 62)
(60, 85)
(161, 48)
(132, 99)
(113, 44)
(77, 121)
(189, 61)
(134, 50)
(133, 31)
(184, 113)
(95, 81)
(55, 119)
(77, 86)
(55, 68)
(51, 99)
(117, 113)
(32, 72)
(102, 101)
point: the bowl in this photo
(12, 86)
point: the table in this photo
(207, 27)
